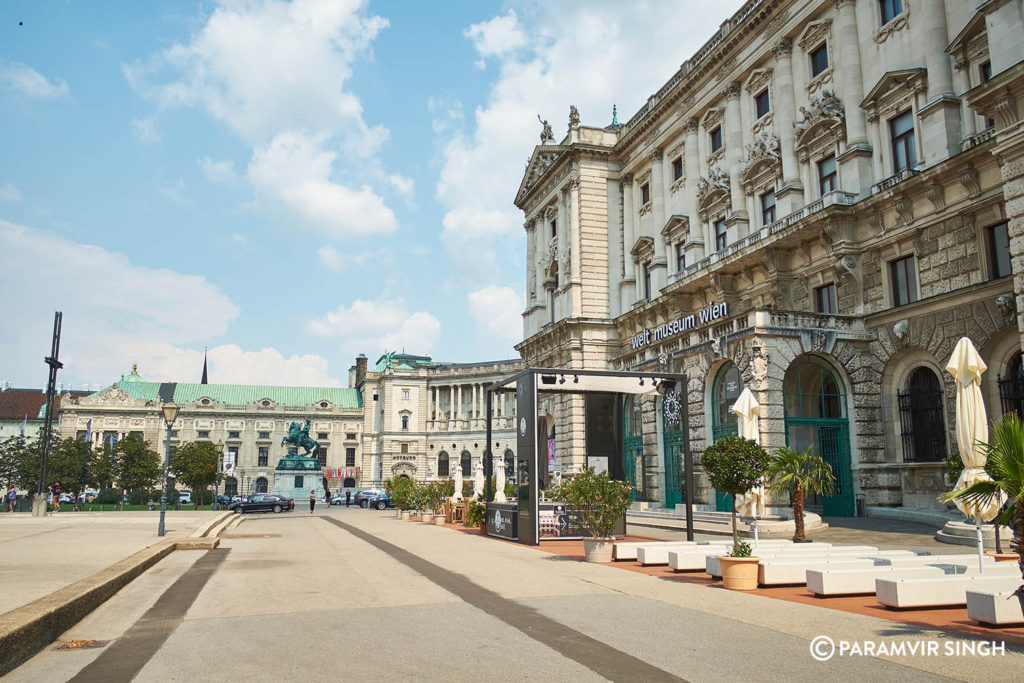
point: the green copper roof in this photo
(244, 394)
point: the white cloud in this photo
(218, 171)
(498, 312)
(230, 364)
(28, 82)
(372, 327)
(336, 260)
(330, 258)
(278, 75)
(175, 192)
(240, 239)
(145, 130)
(294, 169)
(405, 185)
(9, 193)
(497, 36)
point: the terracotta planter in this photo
(483, 529)
(598, 549)
(739, 573)
(1002, 557)
(427, 517)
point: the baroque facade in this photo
(817, 205)
(407, 415)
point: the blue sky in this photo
(290, 183)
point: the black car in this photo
(361, 497)
(223, 501)
(263, 502)
(380, 501)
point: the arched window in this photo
(510, 463)
(1011, 387)
(922, 423)
(442, 464)
(261, 485)
(812, 390)
(634, 417)
(725, 390)
(230, 486)
(467, 464)
(349, 483)
(405, 423)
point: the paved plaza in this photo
(350, 593)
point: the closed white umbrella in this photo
(478, 480)
(499, 481)
(750, 504)
(966, 366)
(458, 482)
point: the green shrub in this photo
(108, 497)
(476, 512)
(597, 499)
(735, 465)
(740, 549)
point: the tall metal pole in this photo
(51, 387)
(163, 489)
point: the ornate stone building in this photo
(407, 416)
(818, 204)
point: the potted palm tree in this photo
(735, 465)
(599, 503)
(1005, 465)
(799, 474)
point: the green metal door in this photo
(724, 391)
(723, 501)
(632, 443)
(815, 406)
(674, 442)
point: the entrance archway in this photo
(261, 485)
(349, 483)
(725, 390)
(814, 399)
(922, 421)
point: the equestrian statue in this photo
(298, 437)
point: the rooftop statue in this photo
(545, 134)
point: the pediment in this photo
(814, 33)
(974, 28)
(543, 158)
(676, 223)
(893, 81)
(643, 243)
(712, 117)
(758, 80)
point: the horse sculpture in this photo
(298, 437)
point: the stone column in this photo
(627, 293)
(855, 172)
(531, 258)
(967, 114)
(637, 272)
(451, 402)
(790, 195)
(574, 299)
(659, 264)
(691, 167)
(940, 116)
(733, 156)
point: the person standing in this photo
(348, 498)
(12, 496)
(312, 500)
(327, 498)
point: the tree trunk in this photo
(798, 513)
(735, 534)
(1020, 542)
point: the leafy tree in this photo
(138, 466)
(103, 467)
(13, 460)
(598, 500)
(69, 464)
(735, 465)
(800, 474)
(195, 466)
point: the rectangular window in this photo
(263, 456)
(321, 436)
(350, 436)
(234, 435)
(768, 208)
(554, 228)
(405, 423)
(677, 168)
(647, 280)
(80, 435)
(720, 234)
(264, 435)
(819, 60)
(203, 434)
(375, 397)
(680, 258)
(404, 448)
(174, 433)
(825, 299)
(350, 457)
(985, 71)
(299, 482)
(904, 281)
(904, 154)
(405, 393)
(998, 250)
(762, 104)
(716, 139)
(645, 193)
(321, 456)
(827, 175)
(890, 9)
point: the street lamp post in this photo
(220, 466)
(170, 411)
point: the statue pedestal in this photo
(295, 476)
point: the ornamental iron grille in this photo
(815, 407)
(674, 442)
(1011, 387)
(632, 443)
(922, 423)
(725, 390)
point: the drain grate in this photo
(82, 644)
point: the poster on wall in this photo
(551, 456)
(598, 462)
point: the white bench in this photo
(945, 590)
(626, 550)
(808, 555)
(657, 553)
(688, 559)
(652, 554)
(788, 571)
(995, 608)
(835, 580)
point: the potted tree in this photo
(1005, 464)
(799, 474)
(736, 465)
(599, 502)
(427, 501)
(476, 514)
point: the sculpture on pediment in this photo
(718, 179)
(828, 106)
(763, 145)
(574, 116)
(545, 134)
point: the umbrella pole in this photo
(981, 549)
(755, 532)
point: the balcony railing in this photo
(977, 139)
(839, 197)
(894, 179)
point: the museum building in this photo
(406, 415)
(817, 205)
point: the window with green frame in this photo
(812, 389)
(725, 390)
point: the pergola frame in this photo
(529, 384)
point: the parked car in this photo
(263, 502)
(185, 497)
(361, 497)
(223, 500)
(66, 499)
(380, 502)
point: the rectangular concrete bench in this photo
(782, 571)
(995, 608)
(626, 550)
(950, 590)
(650, 555)
(657, 553)
(835, 580)
(808, 555)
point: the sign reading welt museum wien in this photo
(687, 322)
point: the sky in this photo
(290, 184)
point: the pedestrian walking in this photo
(12, 496)
(312, 500)
(327, 498)
(348, 498)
